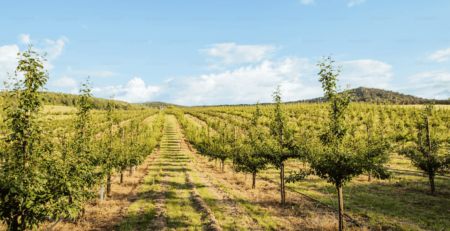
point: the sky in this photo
(230, 52)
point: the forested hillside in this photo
(161, 104)
(63, 99)
(374, 95)
(369, 95)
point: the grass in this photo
(142, 212)
(404, 203)
(261, 216)
(54, 108)
(181, 212)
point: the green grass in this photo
(180, 209)
(53, 108)
(256, 212)
(142, 212)
(403, 202)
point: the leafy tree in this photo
(424, 154)
(248, 158)
(110, 161)
(279, 145)
(24, 185)
(334, 161)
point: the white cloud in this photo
(168, 80)
(8, 54)
(355, 2)
(65, 82)
(92, 73)
(134, 91)
(53, 50)
(230, 53)
(8, 60)
(365, 73)
(428, 84)
(440, 56)
(431, 77)
(252, 83)
(48, 41)
(24, 38)
(247, 84)
(307, 2)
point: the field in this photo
(182, 169)
(54, 108)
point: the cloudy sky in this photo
(230, 52)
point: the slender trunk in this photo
(432, 185)
(429, 156)
(223, 165)
(234, 148)
(282, 189)
(131, 168)
(15, 224)
(123, 169)
(341, 208)
(254, 181)
(108, 186)
(368, 149)
(282, 185)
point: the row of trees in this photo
(70, 100)
(51, 172)
(334, 152)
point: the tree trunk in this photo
(282, 186)
(223, 165)
(429, 156)
(15, 224)
(254, 181)
(432, 185)
(108, 186)
(131, 168)
(234, 150)
(341, 208)
(368, 148)
(123, 139)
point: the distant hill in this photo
(63, 99)
(363, 94)
(160, 104)
(374, 95)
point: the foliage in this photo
(24, 181)
(424, 154)
(52, 167)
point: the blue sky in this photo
(230, 52)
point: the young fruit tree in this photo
(34, 184)
(279, 145)
(335, 161)
(424, 154)
(248, 158)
